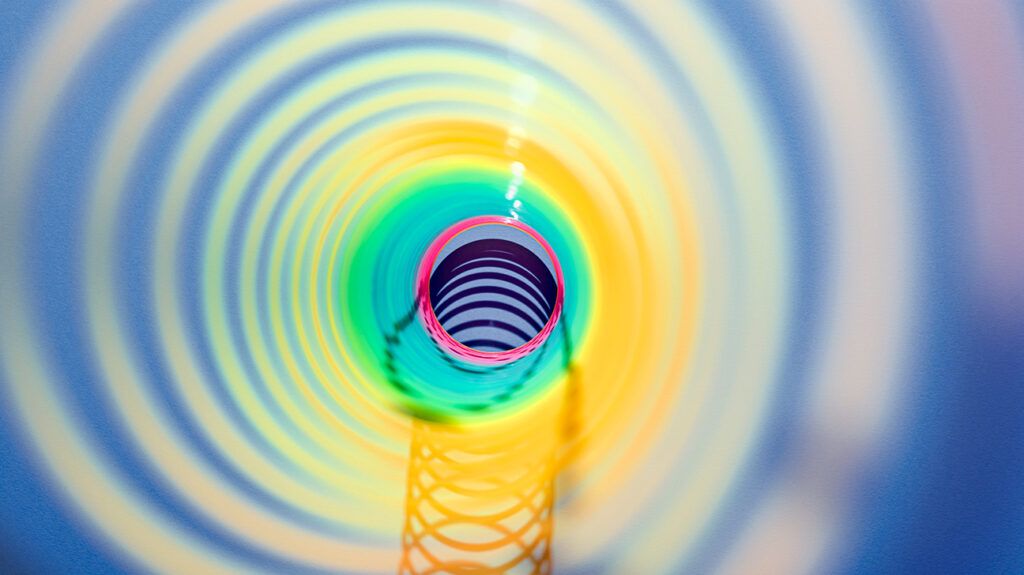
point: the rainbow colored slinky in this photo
(214, 352)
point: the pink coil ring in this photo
(426, 306)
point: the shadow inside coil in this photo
(492, 294)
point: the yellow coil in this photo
(480, 501)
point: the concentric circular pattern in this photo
(214, 216)
(490, 290)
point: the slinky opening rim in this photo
(426, 306)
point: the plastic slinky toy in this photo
(530, 287)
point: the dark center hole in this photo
(493, 288)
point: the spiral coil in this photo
(211, 346)
(477, 503)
